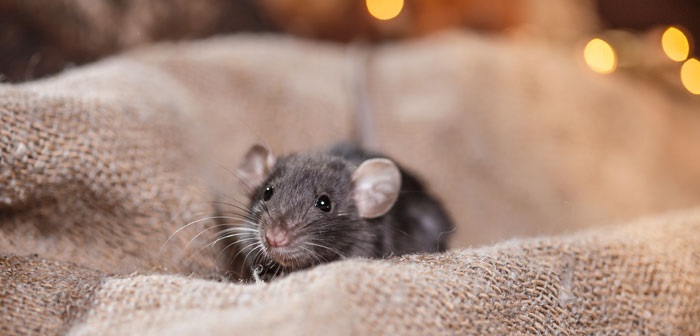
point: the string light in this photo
(690, 76)
(384, 9)
(600, 56)
(675, 44)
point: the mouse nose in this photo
(276, 237)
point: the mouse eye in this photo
(323, 203)
(268, 193)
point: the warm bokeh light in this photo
(600, 56)
(384, 9)
(675, 44)
(690, 75)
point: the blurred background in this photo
(526, 117)
(654, 37)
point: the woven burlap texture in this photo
(102, 164)
(43, 297)
(641, 279)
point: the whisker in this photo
(241, 207)
(404, 233)
(238, 229)
(278, 269)
(213, 227)
(256, 244)
(212, 244)
(437, 247)
(224, 250)
(240, 250)
(244, 218)
(240, 222)
(315, 255)
(327, 248)
(187, 225)
(237, 241)
(258, 256)
(248, 186)
(245, 259)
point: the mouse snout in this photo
(277, 237)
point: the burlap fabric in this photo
(102, 164)
(641, 279)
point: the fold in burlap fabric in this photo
(102, 164)
(639, 279)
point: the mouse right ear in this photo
(255, 166)
(377, 184)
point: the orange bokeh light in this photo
(384, 9)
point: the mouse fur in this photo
(287, 229)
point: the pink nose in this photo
(276, 237)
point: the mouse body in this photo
(309, 208)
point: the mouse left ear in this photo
(377, 183)
(256, 165)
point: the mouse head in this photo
(310, 208)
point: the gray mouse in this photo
(316, 207)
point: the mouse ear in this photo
(255, 166)
(377, 183)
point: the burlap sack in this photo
(102, 164)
